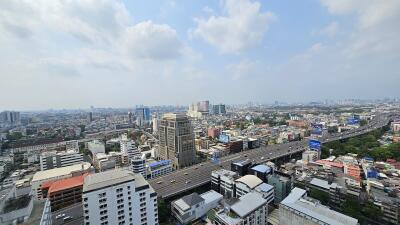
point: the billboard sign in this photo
(314, 145)
(224, 138)
(353, 121)
(316, 129)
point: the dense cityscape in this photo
(314, 163)
(212, 112)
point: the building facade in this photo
(51, 160)
(177, 140)
(118, 197)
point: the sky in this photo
(112, 53)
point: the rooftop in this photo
(58, 172)
(67, 183)
(322, 183)
(262, 168)
(250, 180)
(111, 177)
(295, 200)
(248, 203)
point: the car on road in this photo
(245, 155)
(67, 218)
(60, 216)
(187, 182)
(262, 158)
(173, 181)
(159, 182)
(186, 173)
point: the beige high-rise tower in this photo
(177, 140)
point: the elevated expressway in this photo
(189, 178)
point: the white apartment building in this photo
(194, 206)
(226, 183)
(251, 208)
(296, 208)
(51, 160)
(118, 197)
(128, 147)
(223, 181)
(96, 146)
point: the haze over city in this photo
(75, 54)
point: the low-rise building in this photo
(50, 160)
(57, 174)
(297, 208)
(194, 206)
(251, 208)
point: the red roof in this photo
(326, 162)
(68, 183)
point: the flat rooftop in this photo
(111, 177)
(58, 172)
(248, 203)
(296, 200)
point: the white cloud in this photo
(369, 12)
(242, 69)
(243, 26)
(331, 30)
(147, 40)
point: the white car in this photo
(60, 216)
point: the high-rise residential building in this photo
(177, 140)
(282, 185)
(90, 116)
(130, 117)
(297, 208)
(10, 117)
(219, 109)
(118, 197)
(143, 116)
(51, 160)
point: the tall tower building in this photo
(177, 140)
(118, 197)
(90, 117)
(142, 116)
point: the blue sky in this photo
(75, 54)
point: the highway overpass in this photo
(195, 176)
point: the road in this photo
(191, 177)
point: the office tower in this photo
(297, 208)
(118, 197)
(130, 117)
(90, 116)
(203, 106)
(50, 160)
(177, 140)
(219, 109)
(142, 116)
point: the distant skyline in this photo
(110, 53)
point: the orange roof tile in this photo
(67, 183)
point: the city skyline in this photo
(118, 53)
